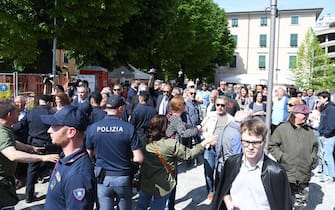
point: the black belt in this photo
(119, 173)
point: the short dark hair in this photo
(158, 126)
(6, 106)
(96, 95)
(324, 94)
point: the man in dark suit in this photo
(83, 94)
(163, 101)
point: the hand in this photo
(229, 203)
(50, 158)
(209, 141)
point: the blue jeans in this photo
(155, 202)
(209, 166)
(115, 187)
(328, 164)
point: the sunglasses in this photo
(116, 89)
(290, 105)
(192, 93)
(222, 105)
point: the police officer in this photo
(97, 112)
(115, 145)
(39, 138)
(72, 184)
(141, 116)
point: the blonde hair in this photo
(177, 103)
(294, 101)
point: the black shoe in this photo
(31, 199)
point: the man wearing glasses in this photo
(163, 101)
(251, 180)
(222, 88)
(294, 146)
(213, 124)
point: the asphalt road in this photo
(192, 195)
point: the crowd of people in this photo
(100, 138)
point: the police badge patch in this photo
(79, 193)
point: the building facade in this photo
(251, 31)
(325, 31)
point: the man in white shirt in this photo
(251, 180)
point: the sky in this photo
(258, 5)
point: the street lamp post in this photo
(277, 74)
(271, 64)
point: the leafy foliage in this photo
(167, 35)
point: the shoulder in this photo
(212, 115)
(6, 137)
(272, 166)
(284, 125)
(233, 160)
(174, 118)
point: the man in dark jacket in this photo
(163, 101)
(294, 146)
(39, 138)
(251, 180)
(141, 116)
(327, 136)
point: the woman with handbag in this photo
(160, 158)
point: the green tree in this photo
(314, 68)
(167, 35)
(90, 29)
(199, 38)
(141, 36)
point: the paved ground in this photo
(191, 193)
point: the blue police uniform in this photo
(97, 114)
(40, 138)
(72, 183)
(141, 118)
(113, 141)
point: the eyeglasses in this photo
(222, 105)
(192, 93)
(290, 105)
(116, 89)
(246, 143)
